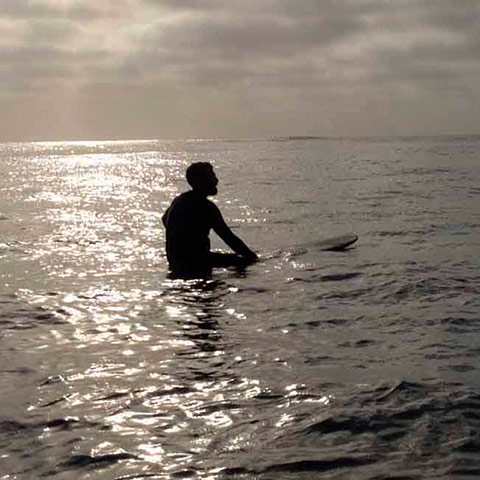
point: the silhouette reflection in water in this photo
(198, 307)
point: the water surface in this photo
(359, 364)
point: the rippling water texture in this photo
(361, 364)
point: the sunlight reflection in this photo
(175, 311)
(239, 442)
(285, 419)
(218, 419)
(250, 387)
(297, 393)
(233, 313)
(104, 370)
(152, 452)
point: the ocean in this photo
(362, 364)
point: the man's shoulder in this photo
(194, 197)
(210, 203)
(183, 198)
(190, 199)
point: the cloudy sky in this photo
(124, 69)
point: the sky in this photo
(144, 69)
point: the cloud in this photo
(200, 62)
(82, 10)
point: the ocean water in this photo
(363, 364)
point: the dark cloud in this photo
(247, 46)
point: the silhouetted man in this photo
(188, 221)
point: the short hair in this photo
(197, 172)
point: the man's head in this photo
(202, 178)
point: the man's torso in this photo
(188, 221)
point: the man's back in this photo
(188, 222)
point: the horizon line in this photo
(244, 138)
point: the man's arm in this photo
(165, 217)
(235, 243)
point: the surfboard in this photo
(335, 243)
(338, 243)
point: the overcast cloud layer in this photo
(99, 69)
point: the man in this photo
(188, 221)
